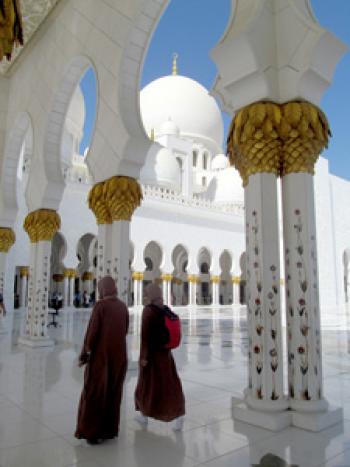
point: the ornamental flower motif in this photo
(301, 302)
(272, 267)
(273, 353)
(273, 333)
(301, 350)
(297, 212)
(257, 301)
(299, 264)
(254, 213)
(256, 264)
(257, 349)
(259, 330)
(270, 295)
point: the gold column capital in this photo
(277, 138)
(88, 276)
(58, 277)
(7, 239)
(192, 278)
(236, 279)
(41, 225)
(97, 203)
(123, 195)
(69, 272)
(304, 131)
(215, 279)
(138, 276)
(24, 271)
(253, 144)
(166, 277)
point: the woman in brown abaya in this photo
(104, 353)
(159, 392)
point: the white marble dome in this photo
(161, 168)
(226, 187)
(188, 104)
(220, 162)
(169, 128)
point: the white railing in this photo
(161, 193)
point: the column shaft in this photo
(265, 389)
(71, 291)
(23, 295)
(65, 291)
(119, 258)
(302, 295)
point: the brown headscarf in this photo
(107, 288)
(154, 295)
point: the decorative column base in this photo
(317, 421)
(274, 421)
(36, 342)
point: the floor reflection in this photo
(40, 389)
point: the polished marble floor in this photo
(40, 389)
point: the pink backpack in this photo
(173, 325)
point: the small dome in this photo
(220, 162)
(161, 168)
(226, 187)
(169, 128)
(189, 105)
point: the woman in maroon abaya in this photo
(159, 392)
(105, 355)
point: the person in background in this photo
(85, 299)
(159, 391)
(77, 299)
(105, 356)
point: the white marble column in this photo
(264, 396)
(24, 271)
(167, 278)
(7, 239)
(71, 290)
(3, 255)
(215, 281)
(113, 203)
(236, 280)
(104, 250)
(303, 310)
(192, 289)
(65, 291)
(120, 269)
(138, 288)
(41, 226)
(37, 311)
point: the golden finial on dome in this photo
(175, 55)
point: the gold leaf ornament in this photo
(7, 239)
(11, 30)
(41, 225)
(123, 195)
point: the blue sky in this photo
(192, 31)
